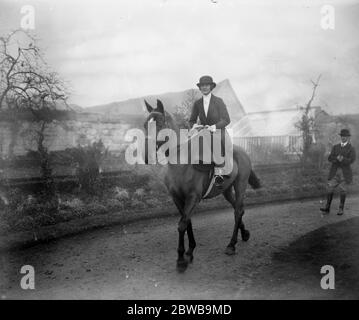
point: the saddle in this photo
(203, 158)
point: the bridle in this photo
(158, 143)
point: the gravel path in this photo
(289, 242)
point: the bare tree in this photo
(26, 80)
(43, 120)
(31, 91)
(88, 159)
(183, 112)
(307, 123)
(27, 85)
(3, 198)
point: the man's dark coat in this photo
(348, 153)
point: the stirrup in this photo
(218, 180)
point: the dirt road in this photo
(289, 244)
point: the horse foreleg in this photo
(191, 241)
(181, 261)
(190, 203)
(183, 225)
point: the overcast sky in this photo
(112, 50)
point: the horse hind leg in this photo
(240, 203)
(238, 206)
(228, 195)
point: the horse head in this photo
(156, 117)
(157, 120)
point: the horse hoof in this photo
(230, 251)
(182, 266)
(189, 257)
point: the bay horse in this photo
(187, 185)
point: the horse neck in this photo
(171, 124)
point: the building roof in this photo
(171, 100)
(235, 108)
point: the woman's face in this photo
(205, 89)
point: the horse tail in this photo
(254, 180)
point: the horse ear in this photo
(160, 107)
(148, 106)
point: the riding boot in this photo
(326, 209)
(341, 206)
(218, 177)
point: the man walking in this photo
(340, 174)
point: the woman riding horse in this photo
(187, 185)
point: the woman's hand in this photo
(211, 128)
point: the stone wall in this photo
(59, 136)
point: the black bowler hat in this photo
(344, 133)
(206, 80)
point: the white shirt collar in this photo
(207, 97)
(343, 144)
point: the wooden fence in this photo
(289, 143)
(271, 149)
